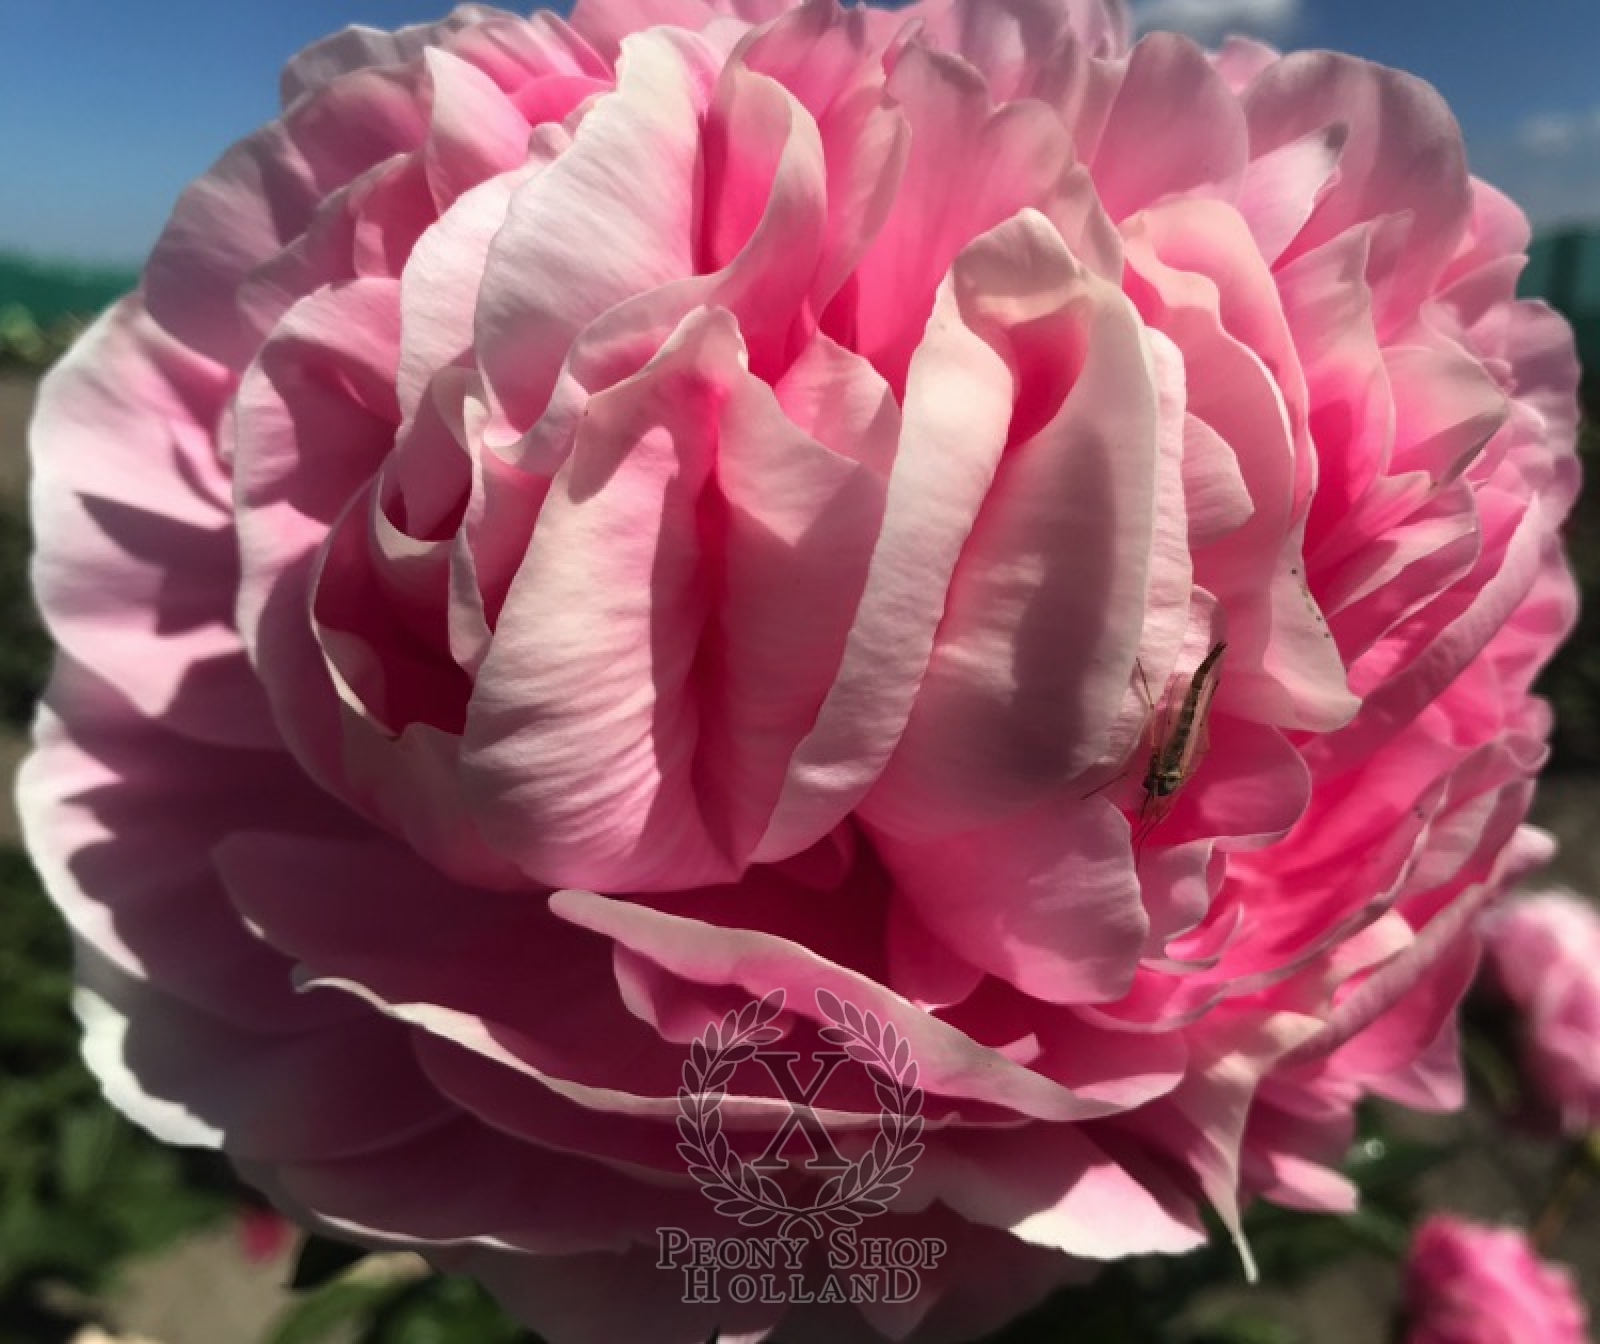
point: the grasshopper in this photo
(1177, 749)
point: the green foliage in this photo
(443, 1309)
(335, 1310)
(26, 345)
(373, 1307)
(25, 648)
(81, 1190)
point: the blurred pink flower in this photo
(1470, 1284)
(264, 1236)
(586, 524)
(1544, 955)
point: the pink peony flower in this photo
(1544, 955)
(589, 524)
(1471, 1284)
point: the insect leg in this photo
(1122, 774)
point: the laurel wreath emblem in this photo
(737, 1187)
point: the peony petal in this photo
(1047, 900)
(1282, 187)
(136, 566)
(638, 145)
(1030, 667)
(954, 423)
(327, 375)
(257, 197)
(439, 286)
(475, 132)
(358, 47)
(138, 887)
(1197, 278)
(971, 166)
(1202, 1124)
(1057, 1187)
(1402, 156)
(602, 626)
(950, 1063)
(1446, 409)
(1173, 129)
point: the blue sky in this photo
(107, 108)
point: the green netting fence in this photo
(1564, 268)
(43, 305)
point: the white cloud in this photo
(1209, 21)
(1558, 132)
(1549, 165)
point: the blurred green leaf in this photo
(1384, 1166)
(343, 1303)
(85, 1140)
(444, 1309)
(1245, 1327)
(25, 648)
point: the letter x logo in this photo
(780, 1064)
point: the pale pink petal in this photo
(1047, 900)
(257, 197)
(830, 62)
(1204, 1120)
(950, 1063)
(1030, 669)
(475, 132)
(342, 343)
(607, 23)
(603, 626)
(357, 47)
(1241, 59)
(135, 564)
(1056, 1186)
(1282, 187)
(1174, 129)
(971, 166)
(144, 893)
(638, 145)
(1446, 409)
(954, 423)
(1010, 42)
(1402, 159)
